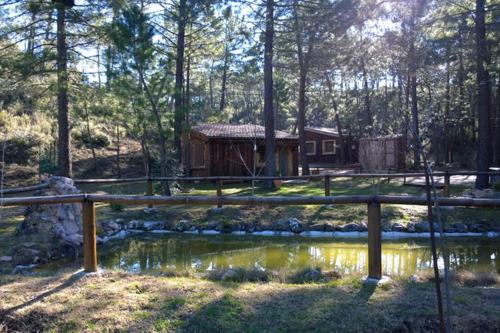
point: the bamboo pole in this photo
(89, 237)
(374, 241)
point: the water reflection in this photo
(180, 252)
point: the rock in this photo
(398, 227)
(362, 226)
(135, 224)
(182, 225)
(281, 226)
(292, 225)
(295, 225)
(350, 227)
(477, 228)
(418, 226)
(318, 227)
(486, 193)
(153, 225)
(151, 210)
(110, 227)
(56, 228)
(459, 227)
(6, 259)
(213, 225)
(229, 274)
(414, 278)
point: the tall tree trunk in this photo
(268, 93)
(179, 76)
(483, 100)
(118, 166)
(413, 91)
(185, 132)
(63, 119)
(496, 150)
(448, 155)
(337, 119)
(367, 118)
(222, 104)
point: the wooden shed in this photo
(383, 153)
(231, 149)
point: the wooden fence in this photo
(373, 203)
(221, 179)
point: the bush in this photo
(97, 140)
(21, 150)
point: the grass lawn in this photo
(119, 302)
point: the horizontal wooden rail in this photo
(245, 200)
(24, 189)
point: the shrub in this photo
(116, 207)
(96, 140)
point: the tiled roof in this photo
(235, 131)
(323, 130)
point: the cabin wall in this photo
(319, 157)
(235, 158)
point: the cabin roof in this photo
(237, 131)
(323, 130)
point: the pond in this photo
(156, 253)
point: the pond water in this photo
(156, 253)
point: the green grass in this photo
(198, 305)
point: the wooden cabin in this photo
(231, 149)
(322, 146)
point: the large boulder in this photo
(52, 230)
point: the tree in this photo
(483, 157)
(268, 93)
(63, 146)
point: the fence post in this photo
(327, 185)
(374, 241)
(219, 191)
(446, 188)
(89, 237)
(150, 190)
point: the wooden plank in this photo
(150, 190)
(327, 185)
(46, 200)
(374, 241)
(219, 192)
(24, 189)
(89, 237)
(446, 188)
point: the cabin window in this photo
(329, 147)
(310, 147)
(198, 155)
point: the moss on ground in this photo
(114, 301)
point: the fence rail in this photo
(373, 203)
(221, 179)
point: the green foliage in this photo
(116, 207)
(95, 140)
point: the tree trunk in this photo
(413, 92)
(179, 76)
(337, 119)
(222, 104)
(118, 167)
(185, 133)
(63, 146)
(368, 119)
(483, 100)
(496, 150)
(268, 93)
(448, 156)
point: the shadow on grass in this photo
(39, 298)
